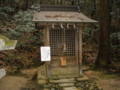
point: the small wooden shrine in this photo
(62, 27)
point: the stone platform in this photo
(65, 82)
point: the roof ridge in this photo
(59, 8)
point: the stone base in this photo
(65, 82)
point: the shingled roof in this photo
(61, 14)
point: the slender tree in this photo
(103, 58)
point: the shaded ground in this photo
(106, 81)
(12, 83)
(21, 82)
(24, 82)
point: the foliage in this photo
(25, 29)
(4, 10)
(90, 34)
(115, 35)
(29, 39)
(21, 27)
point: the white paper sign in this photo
(45, 54)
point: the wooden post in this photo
(76, 47)
(47, 43)
(80, 49)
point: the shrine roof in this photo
(61, 16)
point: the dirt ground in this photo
(106, 81)
(24, 82)
(20, 82)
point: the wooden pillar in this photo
(76, 47)
(80, 49)
(47, 43)
(47, 36)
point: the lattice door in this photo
(70, 42)
(59, 37)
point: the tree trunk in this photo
(26, 4)
(103, 58)
(93, 14)
(61, 2)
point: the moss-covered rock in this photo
(6, 43)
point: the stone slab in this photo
(70, 88)
(72, 75)
(66, 84)
(84, 78)
(2, 73)
(63, 80)
(53, 77)
(46, 89)
(42, 82)
(41, 77)
(64, 70)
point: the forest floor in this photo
(25, 81)
(104, 80)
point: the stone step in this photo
(42, 82)
(84, 78)
(46, 89)
(70, 88)
(65, 70)
(68, 76)
(71, 80)
(66, 84)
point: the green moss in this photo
(4, 38)
(8, 42)
(80, 76)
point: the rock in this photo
(41, 76)
(41, 73)
(79, 88)
(81, 84)
(91, 87)
(52, 89)
(46, 86)
(6, 43)
(83, 79)
(70, 88)
(2, 73)
(62, 76)
(46, 89)
(87, 85)
(99, 88)
(66, 84)
(72, 75)
(42, 82)
(53, 77)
